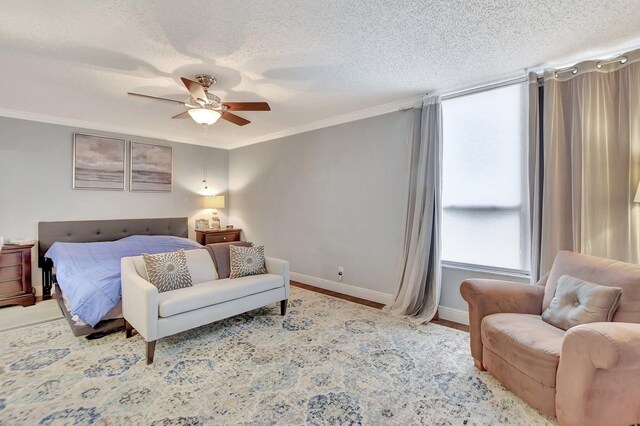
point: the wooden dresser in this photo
(15, 275)
(212, 236)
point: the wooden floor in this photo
(371, 304)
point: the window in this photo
(484, 208)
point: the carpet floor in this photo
(20, 316)
(327, 362)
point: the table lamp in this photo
(214, 202)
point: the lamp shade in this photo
(214, 202)
(204, 116)
(636, 199)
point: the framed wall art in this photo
(151, 168)
(98, 162)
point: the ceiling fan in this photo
(206, 108)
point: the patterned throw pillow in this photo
(167, 271)
(246, 261)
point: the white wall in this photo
(36, 182)
(327, 198)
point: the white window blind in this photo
(484, 216)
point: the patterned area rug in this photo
(327, 362)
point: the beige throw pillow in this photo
(167, 271)
(578, 302)
(222, 258)
(246, 261)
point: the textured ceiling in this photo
(311, 60)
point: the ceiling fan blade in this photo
(247, 106)
(234, 118)
(155, 97)
(182, 115)
(196, 90)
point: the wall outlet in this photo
(340, 273)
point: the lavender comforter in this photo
(89, 273)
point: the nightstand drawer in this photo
(15, 275)
(10, 273)
(10, 259)
(11, 287)
(217, 238)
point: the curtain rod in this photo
(574, 69)
(469, 91)
(483, 88)
(476, 89)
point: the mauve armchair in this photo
(588, 375)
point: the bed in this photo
(84, 270)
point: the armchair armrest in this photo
(486, 297)
(139, 301)
(598, 375)
(279, 267)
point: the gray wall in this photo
(452, 277)
(336, 197)
(36, 181)
(327, 198)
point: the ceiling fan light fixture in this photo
(204, 116)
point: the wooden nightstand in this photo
(15, 275)
(212, 236)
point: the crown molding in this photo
(92, 125)
(334, 121)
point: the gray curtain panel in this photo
(418, 290)
(592, 161)
(535, 171)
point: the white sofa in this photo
(155, 315)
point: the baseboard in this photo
(455, 315)
(450, 314)
(338, 287)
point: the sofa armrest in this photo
(486, 297)
(598, 375)
(139, 301)
(279, 267)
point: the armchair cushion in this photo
(525, 342)
(606, 272)
(580, 302)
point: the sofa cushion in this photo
(607, 272)
(214, 292)
(580, 302)
(167, 271)
(199, 262)
(526, 342)
(220, 254)
(246, 261)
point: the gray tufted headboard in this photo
(89, 231)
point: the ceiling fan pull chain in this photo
(204, 163)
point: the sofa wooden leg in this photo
(151, 350)
(128, 329)
(479, 365)
(283, 307)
